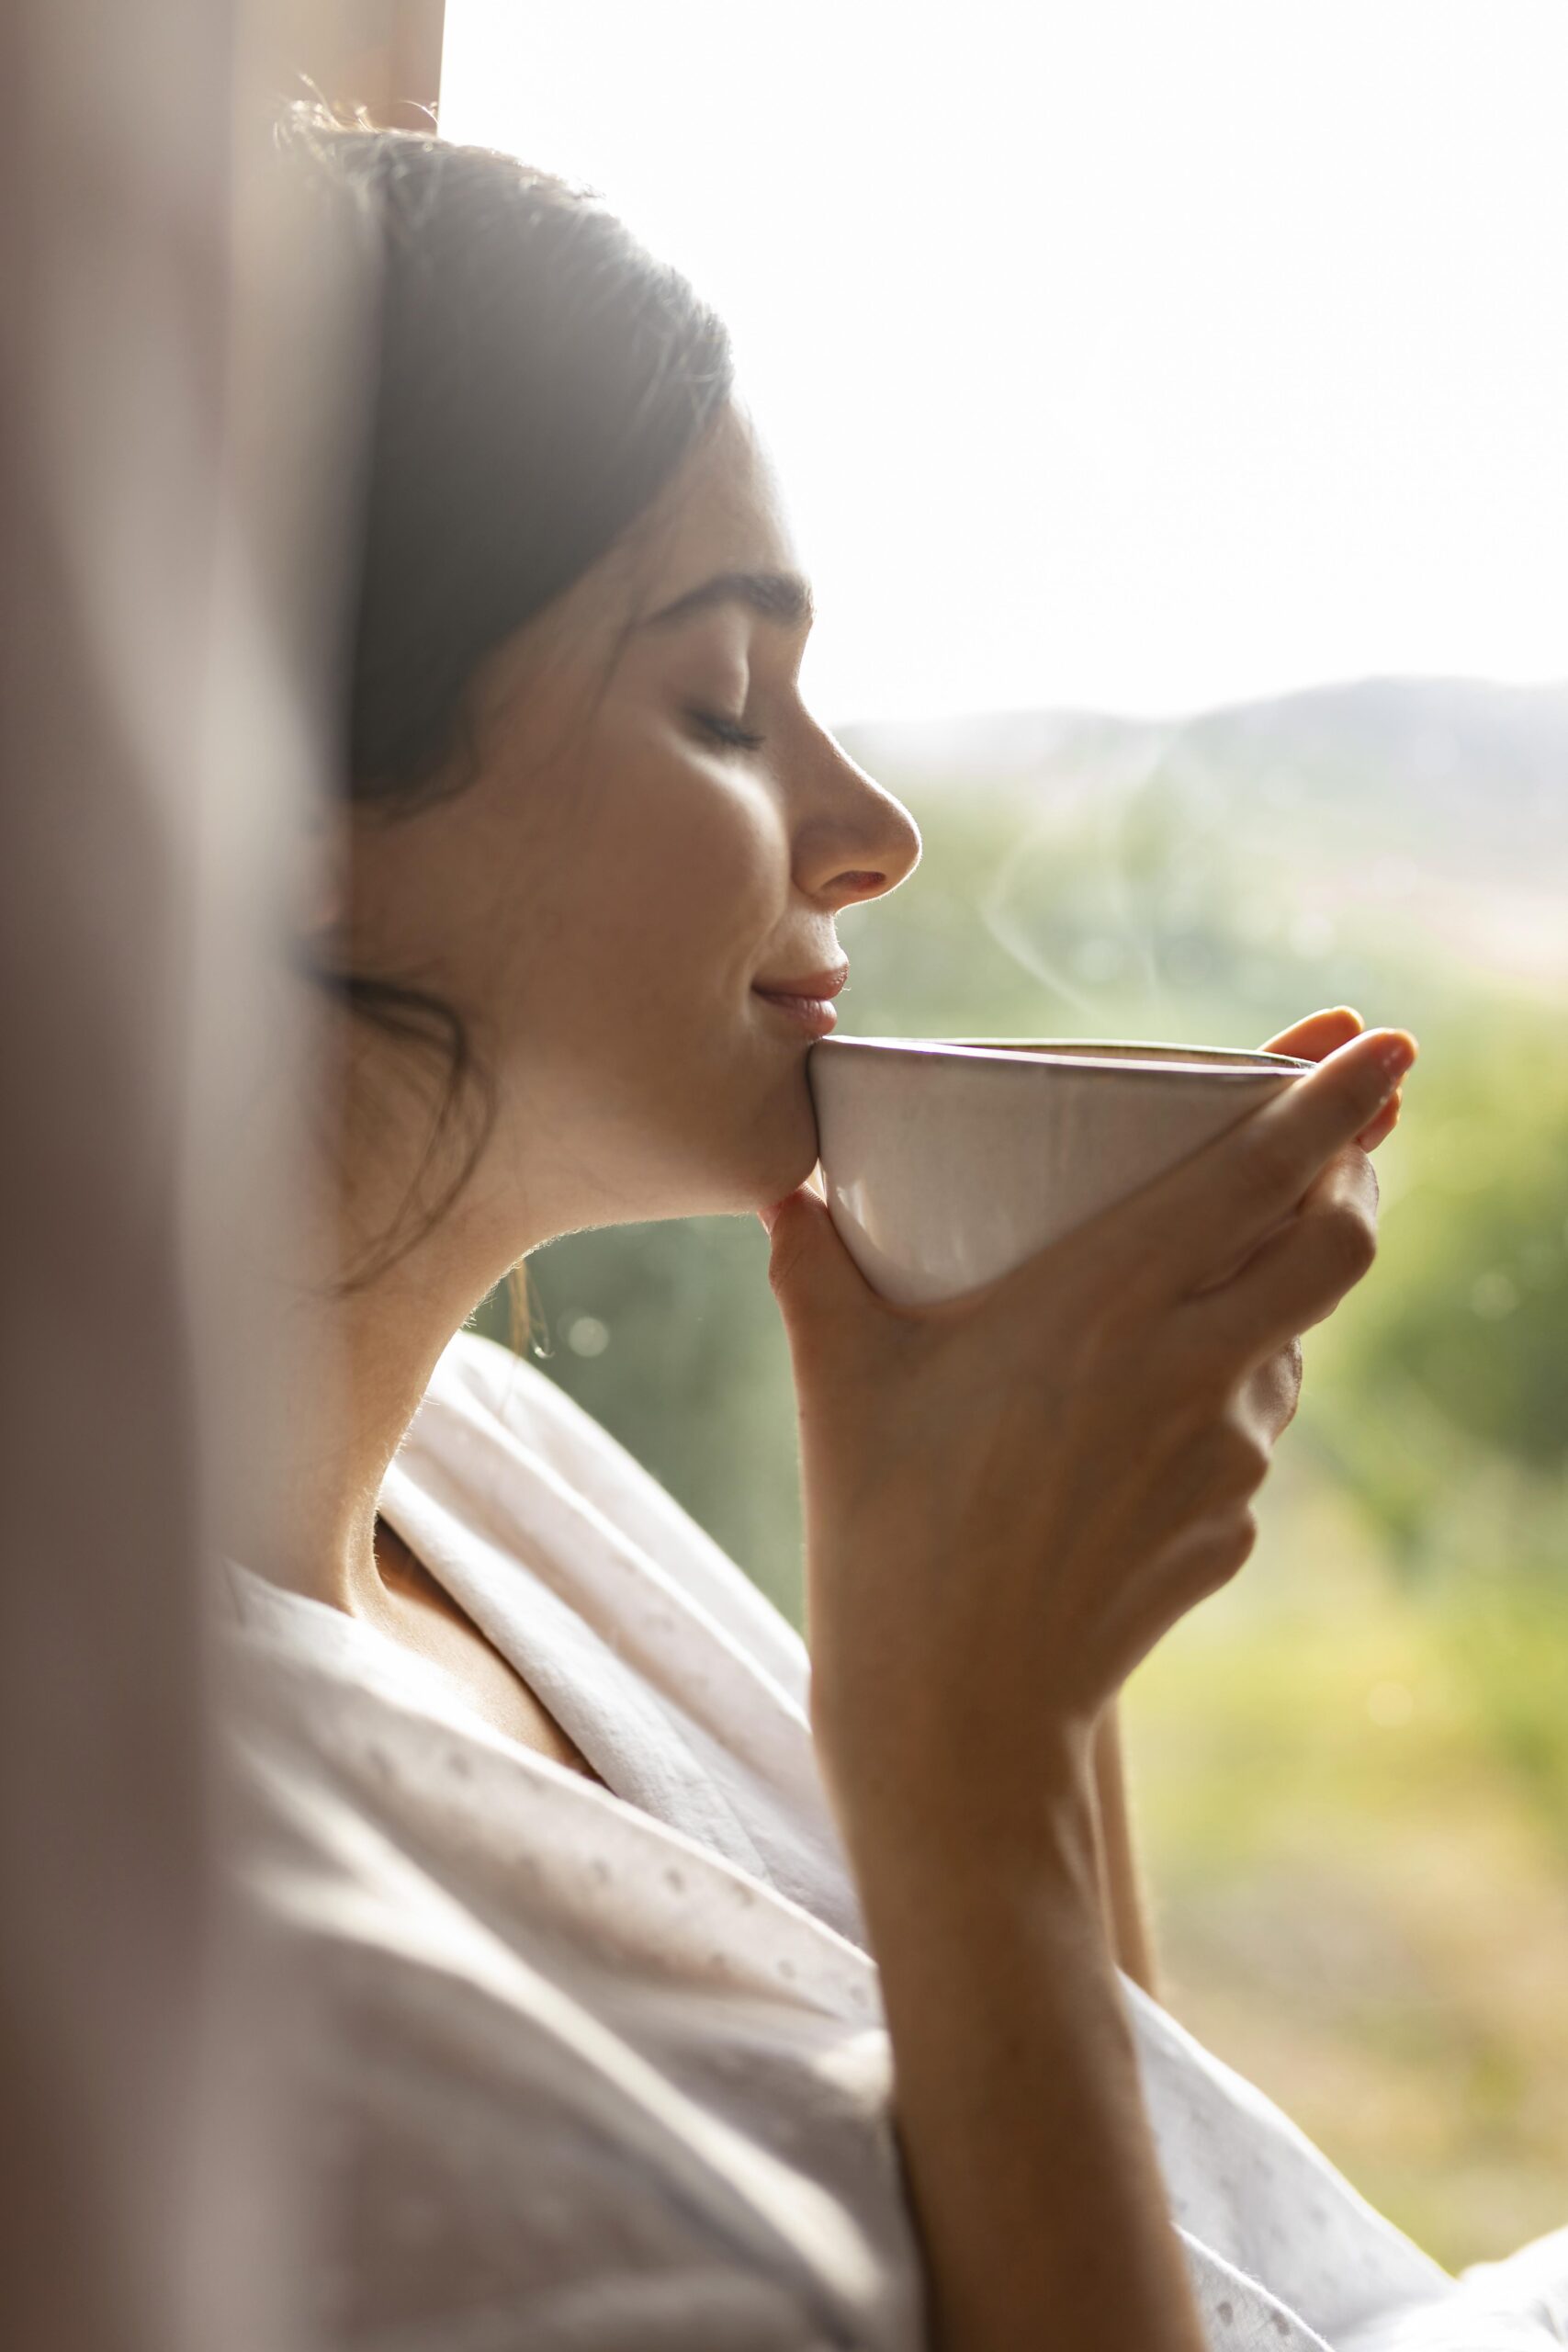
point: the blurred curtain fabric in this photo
(176, 402)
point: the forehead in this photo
(724, 509)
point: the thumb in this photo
(813, 1278)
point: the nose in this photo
(852, 839)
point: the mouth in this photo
(807, 1001)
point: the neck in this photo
(330, 1402)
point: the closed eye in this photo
(726, 730)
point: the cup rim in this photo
(1163, 1057)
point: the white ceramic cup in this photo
(947, 1162)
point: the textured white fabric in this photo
(607, 2068)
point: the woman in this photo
(618, 1929)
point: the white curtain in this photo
(177, 413)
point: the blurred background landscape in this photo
(1351, 1768)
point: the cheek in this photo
(624, 921)
(681, 879)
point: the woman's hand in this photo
(1010, 1497)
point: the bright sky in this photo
(1134, 356)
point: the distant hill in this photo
(1472, 778)
(1439, 805)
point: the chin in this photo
(791, 1147)
(786, 1177)
(770, 1158)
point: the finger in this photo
(1318, 1035)
(1321, 1033)
(1299, 1275)
(1348, 1175)
(1271, 1393)
(1383, 1125)
(1192, 1225)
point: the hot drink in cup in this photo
(947, 1161)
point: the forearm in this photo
(1125, 1910)
(1029, 2158)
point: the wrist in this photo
(995, 1865)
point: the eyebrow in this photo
(780, 596)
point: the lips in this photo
(806, 1001)
(819, 986)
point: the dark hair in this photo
(538, 377)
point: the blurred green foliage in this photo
(1390, 1677)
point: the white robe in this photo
(607, 2068)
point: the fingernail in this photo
(1395, 1055)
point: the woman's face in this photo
(606, 899)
